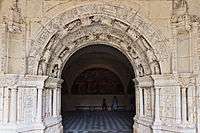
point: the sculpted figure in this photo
(141, 70)
(62, 54)
(95, 20)
(139, 66)
(56, 68)
(55, 71)
(44, 62)
(150, 55)
(153, 62)
(155, 67)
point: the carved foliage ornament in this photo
(96, 22)
(87, 34)
(17, 19)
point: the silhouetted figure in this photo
(115, 103)
(132, 104)
(104, 104)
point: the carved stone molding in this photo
(11, 80)
(70, 21)
(53, 83)
(145, 81)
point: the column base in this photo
(50, 125)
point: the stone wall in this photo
(167, 72)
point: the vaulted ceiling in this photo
(97, 56)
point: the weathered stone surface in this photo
(160, 39)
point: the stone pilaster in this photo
(141, 102)
(184, 106)
(50, 102)
(59, 100)
(157, 120)
(13, 105)
(55, 102)
(6, 105)
(178, 104)
(39, 104)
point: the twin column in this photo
(56, 102)
(156, 104)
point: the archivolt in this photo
(83, 26)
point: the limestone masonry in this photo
(161, 39)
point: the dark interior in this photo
(95, 76)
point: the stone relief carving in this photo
(64, 51)
(154, 64)
(43, 62)
(56, 68)
(102, 29)
(139, 66)
(120, 25)
(29, 104)
(17, 19)
(69, 16)
(88, 34)
(180, 10)
(72, 25)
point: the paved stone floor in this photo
(97, 122)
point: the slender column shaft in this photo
(39, 105)
(50, 102)
(55, 102)
(157, 106)
(178, 104)
(6, 105)
(184, 108)
(59, 101)
(141, 102)
(137, 101)
(13, 105)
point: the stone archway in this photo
(93, 24)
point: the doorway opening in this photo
(98, 92)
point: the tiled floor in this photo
(97, 122)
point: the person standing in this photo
(115, 103)
(104, 104)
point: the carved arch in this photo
(72, 30)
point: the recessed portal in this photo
(97, 81)
(98, 93)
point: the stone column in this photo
(39, 104)
(184, 106)
(59, 100)
(141, 102)
(55, 102)
(157, 106)
(3, 41)
(198, 107)
(50, 102)
(178, 104)
(13, 105)
(6, 105)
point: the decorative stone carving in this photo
(88, 34)
(180, 10)
(67, 19)
(44, 62)
(57, 68)
(17, 20)
(55, 71)
(64, 51)
(72, 25)
(154, 64)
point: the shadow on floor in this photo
(97, 122)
